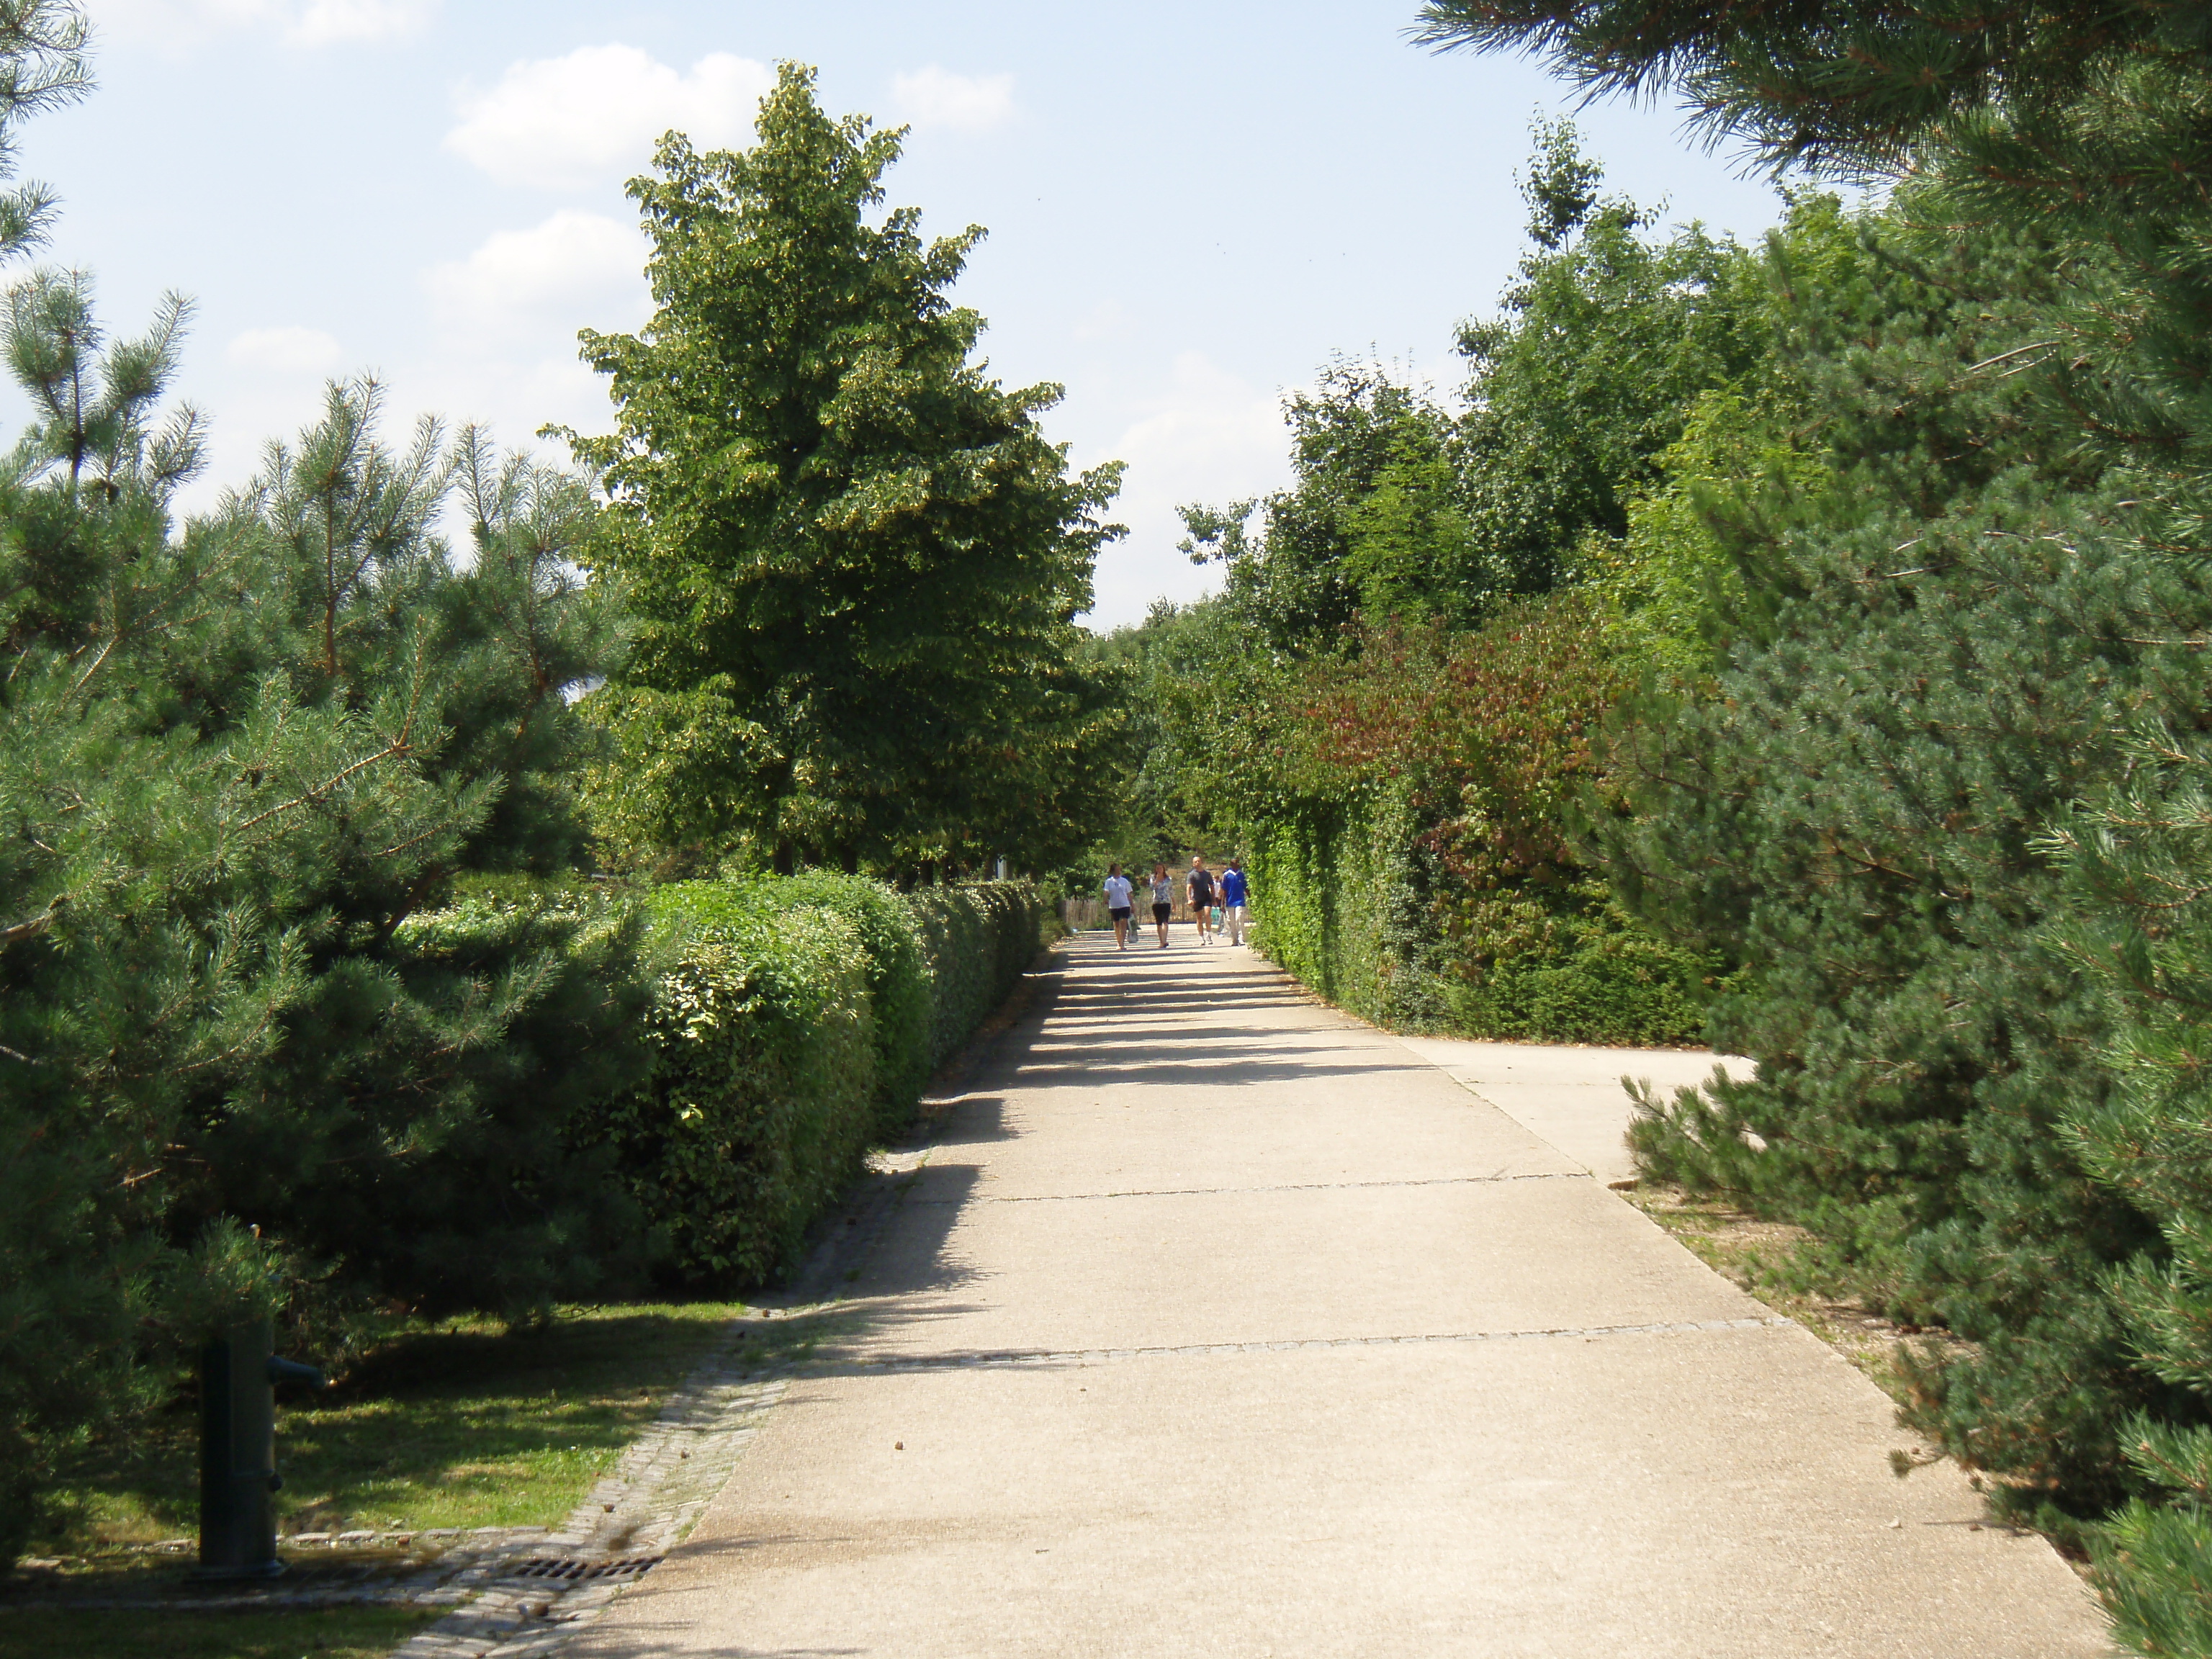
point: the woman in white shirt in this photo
(1118, 903)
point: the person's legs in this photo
(1235, 915)
(1160, 914)
(1121, 930)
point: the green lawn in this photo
(458, 1424)
(323, 1633)
(462, 1425)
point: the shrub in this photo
(763, 1094)
(978, 939)
(899, 979)
(1417, 863)
(794, 1022)
(465, 1194)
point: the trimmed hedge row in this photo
(1351, 903)
(763, 1095)
(796, 1022)
(977, 941)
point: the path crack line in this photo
(1012, 1359)
(1290, 1187)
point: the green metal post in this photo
(238, 1452)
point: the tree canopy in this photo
(854, 560)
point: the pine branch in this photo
(398, 746)
(36, 925)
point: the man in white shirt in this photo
(1118, 903)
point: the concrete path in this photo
(1215, 1322)
(1572, 1098)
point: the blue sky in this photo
(1190, 206)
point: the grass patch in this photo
(323, 1633)
(1751, 1253)
(461, 1424)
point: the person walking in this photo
(1163, 901)
(1235, 894)
(1201, 888)
(1119, 903)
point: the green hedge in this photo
(796, 1022)
(763, 1095)
(899, 981)
(978, 939)
(1349, 902)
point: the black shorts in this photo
(1203, 901)
(1162, 912)
(1119, 912)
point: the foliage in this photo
(1977, 1061)
(979, 940)
(854, 559)
(237, 761)
(900, 979)
(795, 1021)
(762, 1097)
(1856, 812)
(1606, 339)
(1418, 865)
(1194, 686)
(237, 756)
(401, 1126)
(1372, 521)
(2137, 863)
(1406, 767)
(1609, 336)
(1858, 86)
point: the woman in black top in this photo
(1201, 897)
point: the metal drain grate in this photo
(571, 1571)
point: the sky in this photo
(1190, 206)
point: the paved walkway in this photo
(1215, 1322)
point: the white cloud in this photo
(290, 350)
(1109, 319)
(1207, 436)
(565, 122)
(936, 97)
(299, 22)
(573, 270)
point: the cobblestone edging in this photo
(640, 1509)
(459, 1559)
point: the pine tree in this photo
(248, 763)
(854, 560)
(2142, 928)
(409, 724)
(2022, 1139)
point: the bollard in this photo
(238, 1452)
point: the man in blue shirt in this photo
(1233, 894)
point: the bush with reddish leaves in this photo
(1414, 851)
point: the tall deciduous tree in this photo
(854, 559)
(1602, 344)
